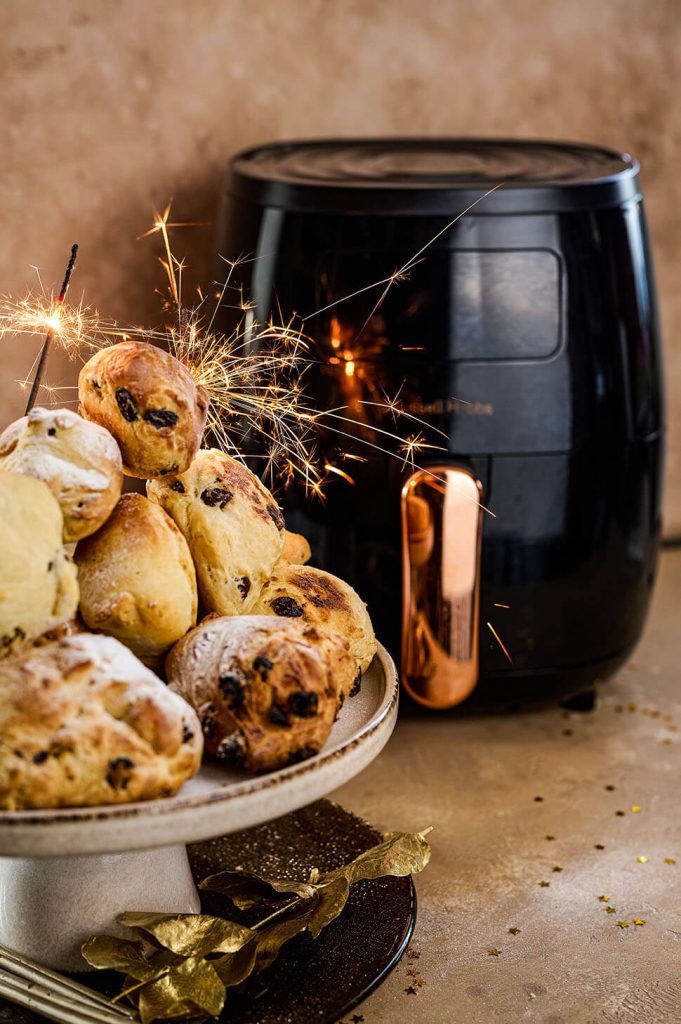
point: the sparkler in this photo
(253, 376)
(52, 326)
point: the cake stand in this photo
(67, 874)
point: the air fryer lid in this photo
(432, 175)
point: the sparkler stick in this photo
(44, 352)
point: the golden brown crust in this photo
(232, 524)
(137, 579)
(79, 461)
(323, 600)
(265, 693)
(83, 722)
(38, 584)
(150, 403)
(296, 551)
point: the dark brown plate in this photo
(313, 981)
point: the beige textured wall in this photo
(110, 106)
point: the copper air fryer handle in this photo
(441, 535)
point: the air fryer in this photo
(515, 563)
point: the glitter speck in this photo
(514, 931)
(635, 808)
(622, 924)
(493, 952)
(669, 860)
(543, 885)
(599, 846)
(610, 789)
(538, 799)
(641, 860)
(550, 838)
(619, 814)
(556, 868)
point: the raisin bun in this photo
(79, 461)
(232, 524)
(83, 722)
(296, 549)
(317, 597)
(264, 691)
(38, 584)
(150, 403)
(137, 579)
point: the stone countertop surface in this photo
(554, 890)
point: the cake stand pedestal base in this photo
(49, 906)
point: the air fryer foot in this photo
(584, 701)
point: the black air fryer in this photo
(517, 564)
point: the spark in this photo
(339, 472)
(499, 641)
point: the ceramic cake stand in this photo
(67, 874)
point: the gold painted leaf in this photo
(245, 889)
(233, 968)
(189, 934)
(105, 952)
(400, 853)
(332, 900)
(193, 985)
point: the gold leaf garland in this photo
(181, 965)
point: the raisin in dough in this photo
(232, 524)
(150, 403)
(264, 691)
(83, 722)
(323, 600)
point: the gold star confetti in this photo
(556, 868)
(622, 924)
(667, 741)
(611, 910)
(543, 885)
(635, 808)
(604, 899)
(514, 931)
(598, 846)
(642, 860)
(639, 921)
(492, 952)
(631, 707)
(411, 991)
(669, 860)
(550, 838)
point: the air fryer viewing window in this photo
(504, 304)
